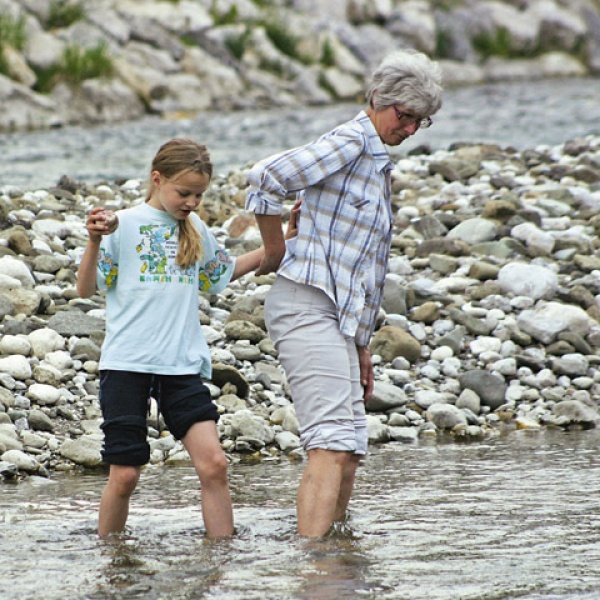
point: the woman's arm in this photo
(266, 259)
(367, 379)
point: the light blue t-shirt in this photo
(152, 321)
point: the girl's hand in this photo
(292, 226)
(99, 222)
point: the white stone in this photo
(15, 344)
(16, 366)
(16, 269)
(8, 283)
(506, 366)
(287, 441)
(60, 359)
(441, 353)
(547, 320)
(485, 344)
(525, 279)
(21, 460)
(470, 400)
(45, 340)
(43, 394)
(211, 335)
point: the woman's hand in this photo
(367, 379)
(99, 222)
(292, 226)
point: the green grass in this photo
(80, 64)
(442, 44)
(284, 40)
(76, 65)
(326, 86)
(12, 32)
(237, 44)
(228, 18)
(64, 13)
(327, 54)
(446, 5)
(496, 43)
(281, 38)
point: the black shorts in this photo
(124, 398)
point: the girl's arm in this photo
(99, 222)
(86, 275)
(247, 262)
(251, 261)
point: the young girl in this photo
(153, 260)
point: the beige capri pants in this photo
(321, 365)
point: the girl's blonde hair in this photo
(174, 158)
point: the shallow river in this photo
(543, 112)
(515, 517)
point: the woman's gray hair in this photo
(408, 78)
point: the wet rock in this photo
(490, 388)
(378, 432)
(246, 425)
(84, 451)
(445, 416)
(386, 397)
(21, 460)
(575, 411)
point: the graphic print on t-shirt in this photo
(108, 268)
(157, 251)
(213, 270)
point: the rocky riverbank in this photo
(490, 319)
(94, 61)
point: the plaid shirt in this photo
(345, 228)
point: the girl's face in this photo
(179, 195)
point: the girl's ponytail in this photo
(189, 250)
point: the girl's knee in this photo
(124, 479)
(213, 467)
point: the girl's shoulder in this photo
(198, 223)
(130, 212)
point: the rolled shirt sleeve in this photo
(272, 179)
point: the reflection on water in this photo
(510, 518)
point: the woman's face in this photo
(394, 124)
(179, 195)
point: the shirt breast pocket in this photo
(359, 201)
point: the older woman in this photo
(322, 308)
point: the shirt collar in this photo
(378, 150)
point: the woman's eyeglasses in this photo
(408, 119)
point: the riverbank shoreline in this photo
(89, 62)
(490, 318)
